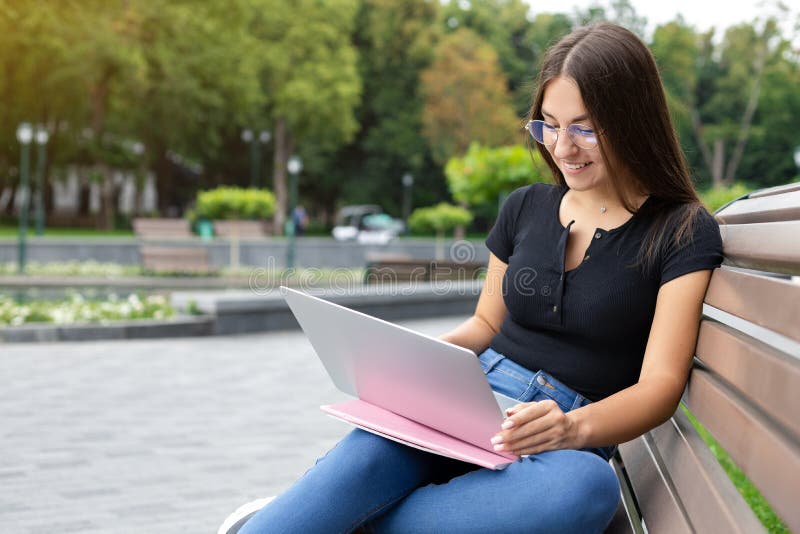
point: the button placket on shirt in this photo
(558, 296)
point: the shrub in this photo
(234, 203)
(440, 218)
(716, 197)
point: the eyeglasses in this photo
(547, 134)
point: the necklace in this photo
(603, 208)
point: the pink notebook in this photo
(398, 428)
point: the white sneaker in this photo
(237, 519)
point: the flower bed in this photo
(77, 309)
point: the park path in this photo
(158, 435)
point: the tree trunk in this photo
(283, 149)
(722, 174)
(163, 170)
(107, 207)
(718, 163)
(747, 118)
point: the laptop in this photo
(409, 387)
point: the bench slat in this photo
(773, 246)
(240, 229)
(769, 457)
(178, 259)
(778, 207)
(653, 487)
(709, 497)
(766, 301)
(778, 189)
(162, 228)
(626, 519)
(767, 377)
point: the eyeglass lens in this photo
(547, 134)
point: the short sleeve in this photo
(703, 251)
(501, 237)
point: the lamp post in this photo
(408, 181)
(250, 137)
(24, 136)
(294, 166)
(797, 158)
(41, 141)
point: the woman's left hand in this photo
(534, 427)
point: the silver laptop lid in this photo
(433, 382)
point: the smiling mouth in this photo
(576, 166)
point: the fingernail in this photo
(496, 440)
(508, 423)
(499, 447)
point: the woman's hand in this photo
(534, 427)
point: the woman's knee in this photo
(595, 493)
(367, 453)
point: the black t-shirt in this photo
(588, 327)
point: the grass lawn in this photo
(11, 231)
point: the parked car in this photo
(366, 224)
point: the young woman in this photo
(589, 316)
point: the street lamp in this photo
(255, 142)
(294, 166)
(24, 136)
(797, 158)
(408, 181)
(41, 140)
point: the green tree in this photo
(484, 176)
(466, 99)
(733, 100)
(395, 41)
(505, 25)
(200, 84)
(620, 12)
(441, 218)
(309, 74)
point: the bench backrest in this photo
(744, 387)
(240, 229)
(149, 228)
(403, 270)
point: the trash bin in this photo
(205, 229)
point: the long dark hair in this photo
(623, 95)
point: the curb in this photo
(241, 312)
(139, 329)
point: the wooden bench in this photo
(744, 388)
(242, 229)
(191, 260)
(151, 228)
(157, 256)
(402, 269)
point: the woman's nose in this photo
(564, 146)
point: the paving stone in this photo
(165, 435)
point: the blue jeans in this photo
(382, 486)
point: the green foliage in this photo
(619, 12)
(751, 495)
(716, 197)
(440, 218)
(507, 27)
(73, 268)
(395, 40)
(234, 203)
(466, 97)
(76, 309)
(484, 174)
(182, 79)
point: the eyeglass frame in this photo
(558, 132)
